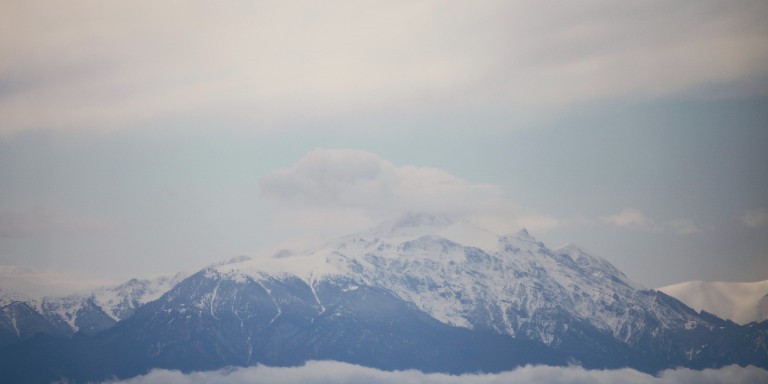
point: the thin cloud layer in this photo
(754, 218)
(107, 65)
(684, 227)
(635, 219)
(343, 178)
(350, 188)
(27, 282)
(321, 372)
(630, 218)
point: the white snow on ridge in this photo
(742, 303)
(595, 265)
(454, 270)
(8, 296)
(466, 276)
(118, 301)
(328, 260)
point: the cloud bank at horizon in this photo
(321, 372)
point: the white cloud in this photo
(635, 219)
(360, 180)
(337, 190)
(317, 372)
(630, 218)
(105, 65)
(755, 218)
(352, 189)
(684, 227)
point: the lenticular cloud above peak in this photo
(345, 178)
(338, 185)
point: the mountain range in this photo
(422, 292)
(23, 316)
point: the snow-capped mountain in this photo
(423, 292)
(88, 312)
(100, 309)
(19, 319)
(742, 303)
(9, 295)
(466, 276)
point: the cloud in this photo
(104, 65)
(684, 227)
(630, 218)
(350, 188)
(36, 222)
(357, 179)
(320, 372)
(635, 219)
(342, 189)
(755, 218)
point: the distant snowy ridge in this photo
(9, 295)
(421, 292)
(464, 275)
(92, 311)
(117, 302)
(742, 303)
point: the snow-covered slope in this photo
(742, 303)
(116, 302)
(120, 301)
(464, 275)
(8, 296)
(88, 312)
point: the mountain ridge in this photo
(447, 294)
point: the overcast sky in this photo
(140, 138)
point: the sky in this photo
(143, 138)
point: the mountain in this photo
(742, 303)
(19, 319)
(23, 316)
(421, 292)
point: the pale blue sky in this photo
(636, 131)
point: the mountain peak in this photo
(570, 249)
(523, 233)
